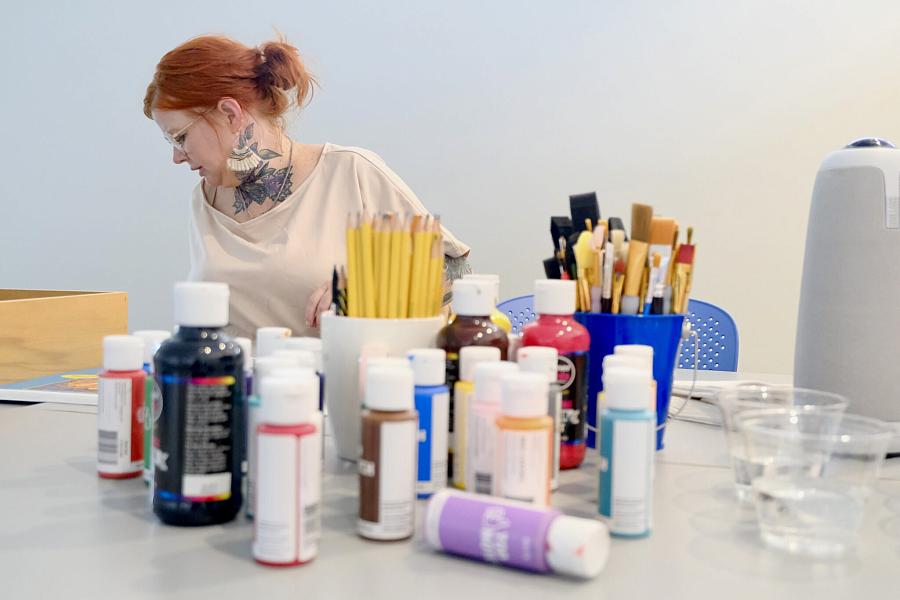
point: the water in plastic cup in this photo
(815, 473)
(734, 401)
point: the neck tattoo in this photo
(264, 182)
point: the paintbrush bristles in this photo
(641, 220)
(662, 231)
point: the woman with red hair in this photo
(269, 214)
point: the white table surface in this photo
(63, 531)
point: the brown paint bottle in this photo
(387, 467)
(473, 302)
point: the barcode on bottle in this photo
(108, 447)
(483, 483)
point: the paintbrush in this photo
(618, 285)
(551, 268)
(560, 227)
(609, 259)
(681, 282)
(641, 218)
(616, 224)
(584, 207)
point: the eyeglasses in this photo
(177, 139)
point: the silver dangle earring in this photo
(242, 160)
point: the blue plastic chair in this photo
(716, 332)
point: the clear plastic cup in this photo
(816, 471)
(736, 400)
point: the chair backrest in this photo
(519, 310)
(716, 331)
(717, 335)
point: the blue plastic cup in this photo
(662, 332)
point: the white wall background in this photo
(717, 113)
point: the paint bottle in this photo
(287, 523)
(554, 302)
(515, 534)
(200, 428)
(263, 367)
(524, 437)
(644, 353)
(314, 345)
(433, 406)
(387, 467)
(515, 342)
(120, 407)
(499, 319)
(482, 433)
(544, 360)
(473, 303)
(152, 339)
(628, 361)
(269, 339)
(246, 346)
(463, 392)
(303, 359)
(627, 448)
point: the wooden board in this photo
(48, 332)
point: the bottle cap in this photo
(493, 278)
(246, 350)
(525, 395)
(645, 352)
(487, 381)
(554, 297)
(201, 304)
(289, 397)
(301, 358)
(429, 366)
(626, 388)
(269, 339)
(578, 547)
(473, 297)
(310, 344)
(472, 356)
(389, 388)
(153, 339)
(123, 353)
(612, 361)
(539, 359)
(265, 365)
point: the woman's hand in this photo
(319, 302)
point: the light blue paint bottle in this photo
(433, 405)
(627, 449)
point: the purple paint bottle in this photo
(515, 534)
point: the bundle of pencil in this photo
(395, 266)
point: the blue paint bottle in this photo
(627, 449)
(198, 435)
(433, 405)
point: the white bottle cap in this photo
(269, 339)
(247, 351)
(389, 388)
(201, 304)
(289, 397)
(472, 356)
(386, 361)
(539, 359)
(578, 547)
(310, 344)
(612, 361)
(153, 339)
(645, 352)
(626, 388)
(429, 366)
(301, 358)
(554, 297)
(493, 278)
(487, 381)
(473, 297)
(123, 353)
(265, 365)
(525, 395)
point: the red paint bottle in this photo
(120, 406)
(554, 302)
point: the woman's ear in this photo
(231, 110)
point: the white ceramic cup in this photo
(343, 340)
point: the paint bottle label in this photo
(253, 404)
(452, 378)
(120, 430)
(554, 411)
(149, 414)
(289, 489)
(482, 440)
(627, 448)
(523, 466)
(464, 392)
(195, 463)
(572, 378)
(432, 456)
(387, 480)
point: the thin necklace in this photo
(287, 176)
